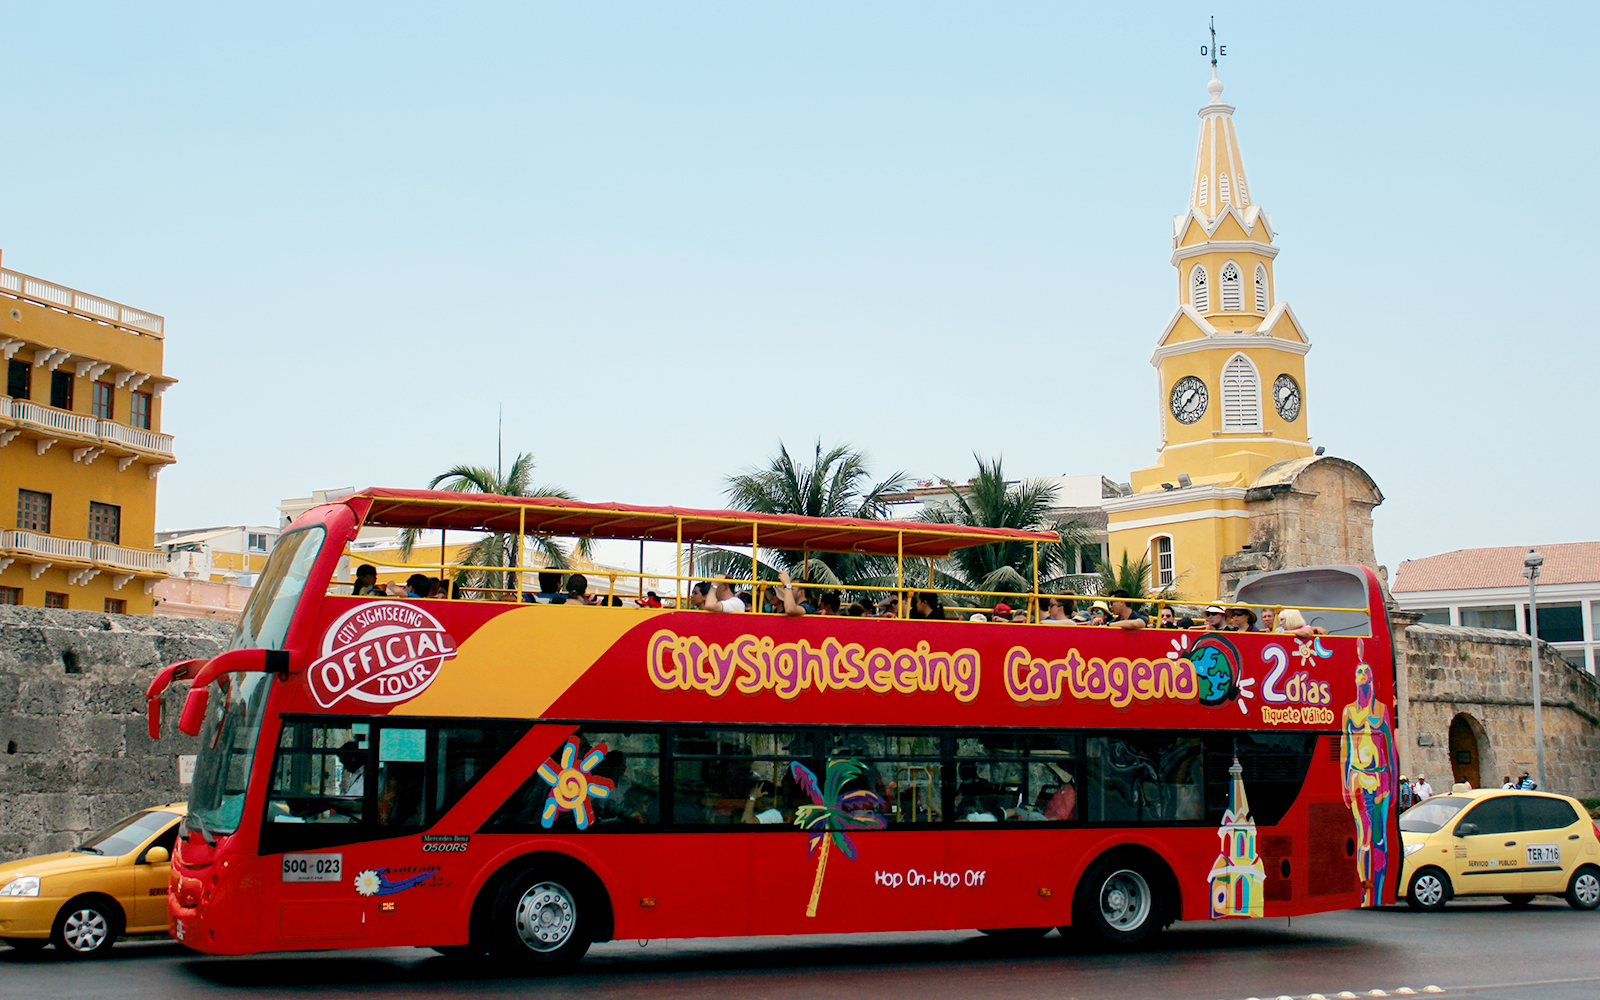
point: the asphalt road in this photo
(1482, 950)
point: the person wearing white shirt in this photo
(1424, 790)
(718, 600)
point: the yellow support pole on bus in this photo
(677, 583)
(900, 573)
(755, 537)
(522, 549)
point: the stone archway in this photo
(1469, 752)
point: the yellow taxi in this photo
(1499, 842)
(81, 901)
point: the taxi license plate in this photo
(312, 867)
(1544, 854)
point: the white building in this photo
(1485, 588)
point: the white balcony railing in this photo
(51, 419)
(136, 437)
(45, 545)
(91, 306)
(134, 559)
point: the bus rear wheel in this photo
(1119, 902)
(540, 921)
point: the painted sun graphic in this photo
(572, 785)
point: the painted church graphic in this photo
(1237, 876)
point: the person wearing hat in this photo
(1241, 620)
(1122, 615)
(1408, 795)
(1001, 613)
(1422, 788)
(889, 607)
(1099, 613)
(1215, 619)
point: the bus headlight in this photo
(26, 885)
(1412, 849)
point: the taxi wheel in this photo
(1520, 900)
(1428, 891)
(85, 928)
(1583, 893)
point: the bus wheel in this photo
(1429, 890)
(85, 928)
(540, 921)
(1118, 902)
(1015, 933)
(1583, 893)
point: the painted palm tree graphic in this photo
(832, 812)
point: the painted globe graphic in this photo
(1216, 663)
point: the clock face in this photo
(1188, 399)
(1286, 397)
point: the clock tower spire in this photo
(1230, 368)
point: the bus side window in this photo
(1016, 777)
(905, 770)
(631, 765)
(320, 773)
(1145, 778)
(737, 778)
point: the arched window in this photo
(1232, 288)
(1205, 190)
(1222, 189)
(1244, 197)
(1199, 290)
(1161, 560)
(1241, 395)
(1262, 299)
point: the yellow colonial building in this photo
(1231, 379)
(80, 448)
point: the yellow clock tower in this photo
(1231, 378)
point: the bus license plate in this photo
(1544, 854)
(312, 867)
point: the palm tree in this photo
(498, 549)
(1133, 576)
(837, 483)
(989, 501)
(833, 811)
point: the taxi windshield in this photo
(1429, 816)
(128, 833)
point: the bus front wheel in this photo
(540, 921)
(1120, 901)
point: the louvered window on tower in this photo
(1241, 395)
(1261, 288)
(1222, 189)
(1205, 191)
(1244, 198)
(1199, 292)
(1232, 291)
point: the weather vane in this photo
(1213, 50)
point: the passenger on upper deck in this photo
(549, 590)
(578, 590)
(1099, 613)
(1292, 622)
(927, 607)
(1166, 617)
(1057, 611)
(1215, 619)
(1268, 620)
(649, 600)
(366, 581)
(1122, 615)
(717, 598)
(418, 585)
(1241, 620)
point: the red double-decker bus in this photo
(488, 775)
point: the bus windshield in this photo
(227, 747)
(265, 620)
(1429, 816)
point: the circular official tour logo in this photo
(382, 653)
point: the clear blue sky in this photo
(665, 236)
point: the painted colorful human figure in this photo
(1367, 762)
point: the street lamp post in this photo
(1530, 570)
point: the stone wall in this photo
(1486, 676)
(75, 754)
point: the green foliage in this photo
(836, 483)
(988, 501)
(498, 549)
(1593, 805)
(1134, 577)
